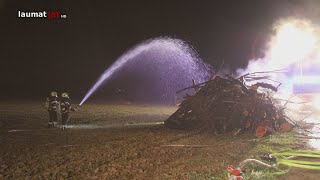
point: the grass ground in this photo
(121, 142)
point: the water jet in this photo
(165, 56)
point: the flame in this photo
(295, 41)
(294, 44)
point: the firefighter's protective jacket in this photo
(53, 103)
(65, 105)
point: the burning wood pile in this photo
(227, 104)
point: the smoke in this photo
(295, 37)
(293, 41)
(293, 45)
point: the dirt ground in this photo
(110, 142)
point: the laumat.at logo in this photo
(48, 14)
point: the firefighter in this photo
(65, 108)
(52, 104)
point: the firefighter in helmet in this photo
(52, 104)
(65, 108)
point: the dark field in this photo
(111, 142)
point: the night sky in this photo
(38, 55)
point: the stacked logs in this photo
(226, 104)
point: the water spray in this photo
(177, 51)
